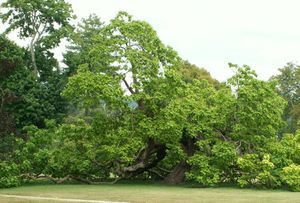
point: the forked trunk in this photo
(32, 52)
(177, 175)
(148, 158)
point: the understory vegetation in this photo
(126, 106)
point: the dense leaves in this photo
(290, 175)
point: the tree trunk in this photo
(177, 175)
(32, 53)
(35, 70)
(147, 158)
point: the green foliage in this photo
(37, 18)
(129, 46)
(126, 62)
(71, 150)
(264, 169)
(23, 102)
(33, 154)
(191, 72)
(11, 57)
(245, 121)
(9, 175)
(203, 171)
(24, 99)
(213, 163)
(224, 156)
(82, 40)
(291, 176)
(285, 151)
(256, 171)
(33, 105)
(258, 108)
(89, 89)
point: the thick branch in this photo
(32, 52)
(164, 170)
(147, 159)
(156, 172)
(2, 99)
(40, 33)
(128, 86)
(85, 180)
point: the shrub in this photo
(9, 175)
(202, 172)
(215, 164)
(257, 172)
(291, 176)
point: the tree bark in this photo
(147, 158)
(177, 175)
(32, 52)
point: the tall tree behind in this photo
(11, 58)
(191, 72)
(289, 87)
(81, 42)
(45, 23)
(24, 100)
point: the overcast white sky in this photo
(264, 34)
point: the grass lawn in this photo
(139, 192)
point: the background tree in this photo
(45, 23)
(258, 109)
(288, 81)
(11, 59)
(24, 100)
(191, 72)
(82, 40)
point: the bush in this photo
(256, 171)
(291, 176)
(202, 172)
(9, 175)
(215, 164)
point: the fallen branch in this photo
(156, 172)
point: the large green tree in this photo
(165, 106)
(127, 54)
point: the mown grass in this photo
(148, 192)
